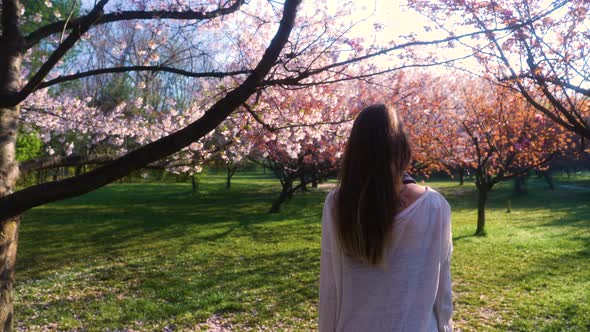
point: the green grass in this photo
(153, 256)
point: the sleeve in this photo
(328, 292)
(443, 305)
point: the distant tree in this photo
(539, 48)
(502, 138)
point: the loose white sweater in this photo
(411, 292)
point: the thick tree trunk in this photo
(10, 65)
(8, 247)
(461, 176)
(481, 210)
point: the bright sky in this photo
(393, 14)
(398, 20)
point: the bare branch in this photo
(63, 161)
(159, 68)
(78, 30)
(56, 27)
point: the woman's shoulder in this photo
(438, 199)
(330, 196)
(411, 192)
(414, 193)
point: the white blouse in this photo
(411, 292)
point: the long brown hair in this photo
(368, 195)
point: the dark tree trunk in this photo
(286, 194)
(314, 181)
(195, 184)
(461, 176)
(10, 66)
(303, 183)
(549, 178)
(482, 191)
(231, 170)
(520, 185)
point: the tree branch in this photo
(63, 161)
(20, 201)
(102, 71)
(78, 30)
(56, 27)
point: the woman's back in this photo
(409, 291)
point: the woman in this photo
(386, 245)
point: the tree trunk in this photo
(303, 183)
(520, 185)
(461, 176)
(482, 191)
(195, 184)
(549, 178)
(228, 179)
(78, 170)
(314, 180)
(11, 45)
(283, 197)
(231, 170)
(8, 248)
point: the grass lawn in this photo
(155, 257)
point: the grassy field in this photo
(155, 257)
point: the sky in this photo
(394, 16)
(398, 20)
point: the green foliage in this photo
(28, 145)
(46, 15)
(147, 256)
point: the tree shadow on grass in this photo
(124, 218)
(258, 286)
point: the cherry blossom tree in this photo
(14, 92)
(500, 137)
(299, 134)
(538, 48)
